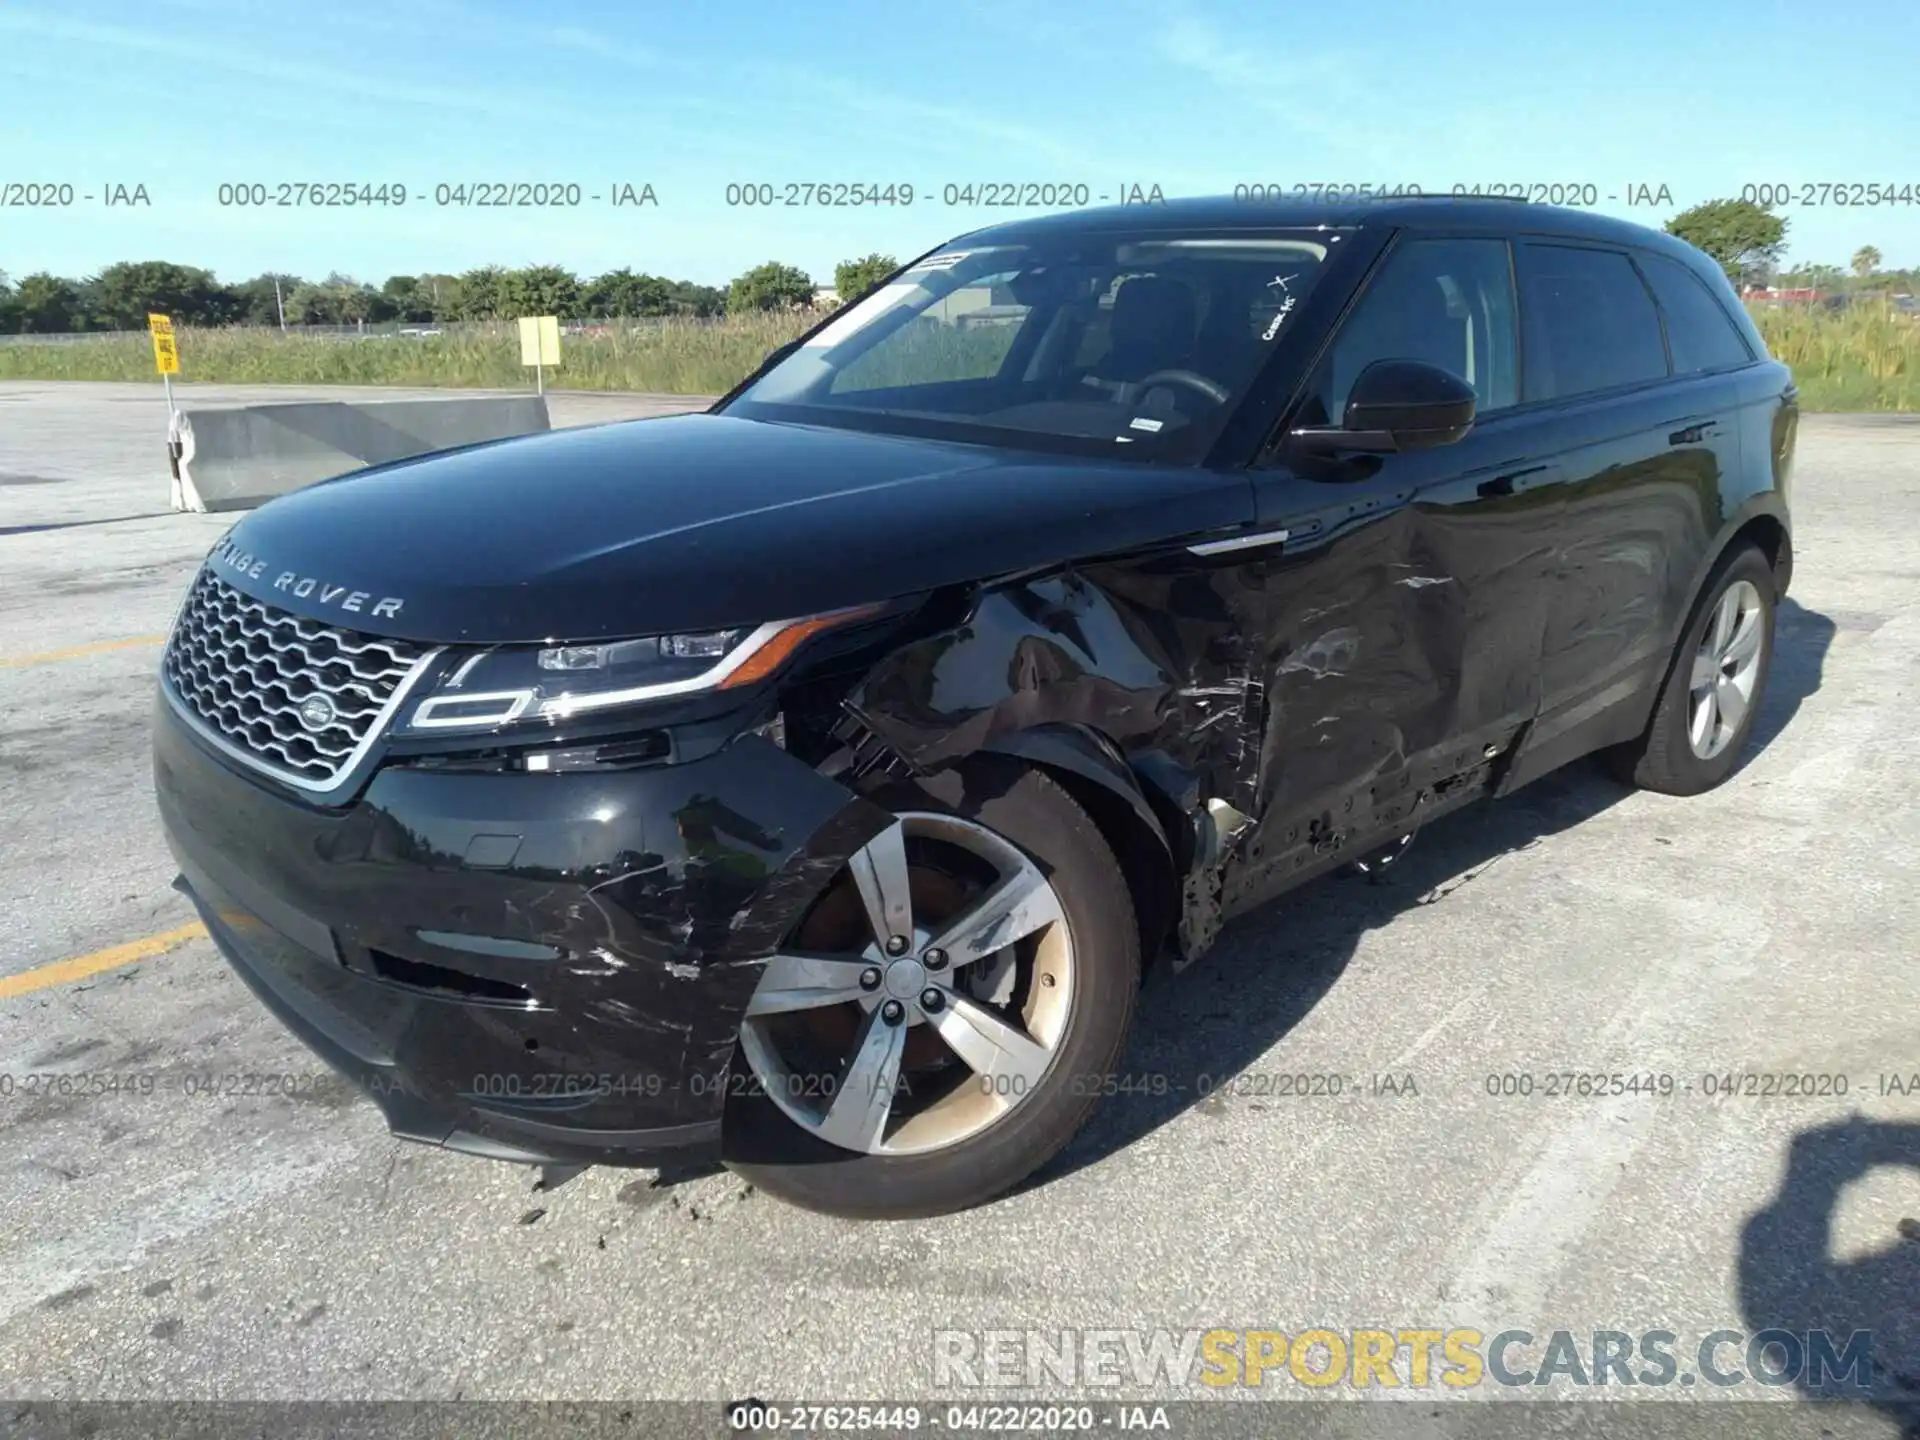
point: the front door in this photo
(1407, 604)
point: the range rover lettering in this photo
(806, 784)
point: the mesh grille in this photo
(247, 669)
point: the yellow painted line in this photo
(74, 652)
(65, 972)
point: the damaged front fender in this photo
(1133, 676)
(1153, 661)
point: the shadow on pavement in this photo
(1801, 638)
(1789, 1280)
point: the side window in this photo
(1699, 332)
(1591, 324)
(1448, 302)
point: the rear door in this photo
(1643, 452)
(1406, 601)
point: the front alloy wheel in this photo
(957, 1019)
(922, 1041)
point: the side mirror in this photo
(1397, 405)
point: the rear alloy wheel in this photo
(1714, 687)
(923, 1042)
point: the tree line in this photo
(1749, 240)
(121, 296)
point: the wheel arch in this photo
(1761, 521)
(1088, 767)
(1769, 531)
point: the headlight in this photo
(524, 682)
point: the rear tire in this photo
(780, 1150)
(1695, 739)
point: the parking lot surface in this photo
(192, 1237)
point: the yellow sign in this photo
(539, 340)
(166, 354)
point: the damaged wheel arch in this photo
(1130, 682)
(1130, 812)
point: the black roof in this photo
(1219, 212)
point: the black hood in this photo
(687, 523)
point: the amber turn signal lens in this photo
(772, 655)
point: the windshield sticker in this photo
(1284, 303)
(1141, 422)
(944, 261)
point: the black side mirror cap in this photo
(1397, 405)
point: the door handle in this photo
(1515, 481)
(1694, 434)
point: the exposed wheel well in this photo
(1143, 858)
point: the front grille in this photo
(246, 669)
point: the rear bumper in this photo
(538, 968)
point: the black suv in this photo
(806, 783)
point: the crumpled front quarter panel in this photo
(1154, 655)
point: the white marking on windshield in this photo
(1285, 306)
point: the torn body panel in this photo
(1156, 657)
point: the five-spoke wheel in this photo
(942, 984)
(936, 1026)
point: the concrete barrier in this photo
(234, 459)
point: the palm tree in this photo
(1866, 260)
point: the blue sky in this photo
(1193, 95)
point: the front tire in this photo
(1715, 684)
(939, 1025)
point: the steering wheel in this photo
(1192, 379)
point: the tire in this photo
(766, 1144)
(1666, 758)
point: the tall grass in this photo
(669, 356)
(1864, 358)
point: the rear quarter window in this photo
(1700, 333)
(1590, 323)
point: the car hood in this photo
(690, 522)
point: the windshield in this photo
(1100, 344)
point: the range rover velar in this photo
(806, 783)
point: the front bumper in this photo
(539, 968)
